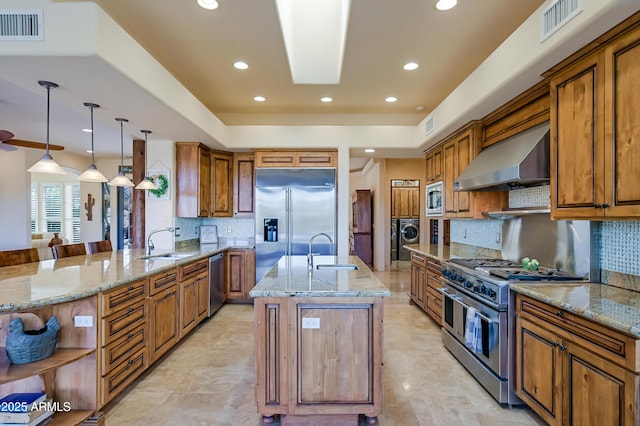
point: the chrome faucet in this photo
(310, 253)
(150, 245)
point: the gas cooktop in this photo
(512, 271)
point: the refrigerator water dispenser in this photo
(271, 230)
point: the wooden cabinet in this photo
(434, 165)
(296, 158)
(362, 244)
(332, 369)
(69, 375)
(221, 184)
(240, 273)
(164, 313)
(124, 352)
(244, 181)
(405, 202)
(193, 180)
(571, 370)
(425, 285)
(194, 294)
(458, 151)
(595, 133)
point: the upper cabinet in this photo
(243, 184)
(204, 181)
(296, 159)
(434, 165)
(595, 132)
(458, 151)
(405, 202)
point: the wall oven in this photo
(434, 199)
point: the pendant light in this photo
(92, 174)
(121, 179)
(46, 164)
(146, 183)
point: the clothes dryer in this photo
(409, 232)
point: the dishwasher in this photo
(216, 281)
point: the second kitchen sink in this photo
(347, 266)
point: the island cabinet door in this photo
(336, 353)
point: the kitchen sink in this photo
(348, 266)
(167, 256)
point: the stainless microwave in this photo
(434, 199)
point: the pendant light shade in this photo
(92, 174)
(146, 183)
(46, 164)
(121, 179)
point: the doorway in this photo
(405, 216)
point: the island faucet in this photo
(310, 253)
(150, 245)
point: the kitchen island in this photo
(318, 339)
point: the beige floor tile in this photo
(208, 379)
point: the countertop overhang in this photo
(291, 277)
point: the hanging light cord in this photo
(48, 108)
(121, 148)
(93, 160)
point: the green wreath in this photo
(162, 183)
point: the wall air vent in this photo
(556, 15)
(428, 124)
(20, 25)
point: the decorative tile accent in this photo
(538, 196)
(240, 228)
(481, 233)
(618, 245)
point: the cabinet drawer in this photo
(194, 268)
(275, 159)
(608, 343)
(117, 298)
(317, 159)
(123, 321)
(418, 259)
(161, 281)
(434, 268)
(119, 349)
(434, 303)
(121, 376)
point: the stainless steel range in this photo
(478, 318)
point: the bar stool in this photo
(18, 257)
(66, 250)
(99, 246)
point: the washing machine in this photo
(409, 233)
(394, 239)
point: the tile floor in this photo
(208, 378)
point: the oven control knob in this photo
(492, 294)
(468, 284)
(482, 289)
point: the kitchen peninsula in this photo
(318, 339)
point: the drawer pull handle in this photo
(130, 335)
(130, 362)
(166, 292)
(559, 313)
(130, 287)
(130, 309)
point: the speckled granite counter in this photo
(613, 307)
(290, 277)
(438, 252)
(55, 281)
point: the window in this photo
(55, 207)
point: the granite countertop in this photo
(437, 251)
(613, 307)
(61, 280)
(291, 277)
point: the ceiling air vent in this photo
(429, 126)
(556, 15)
(21, 25)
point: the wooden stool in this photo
(99, 246)
(18, 257)
(66, 250)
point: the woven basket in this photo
(29, 346)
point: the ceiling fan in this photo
(7, 143)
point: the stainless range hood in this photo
(517, 162)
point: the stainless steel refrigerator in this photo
(291, 206)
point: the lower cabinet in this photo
(425, 283)
(240, 273)
(164, 313)
(194, 294)
(570, 370)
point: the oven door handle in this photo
(458, 299)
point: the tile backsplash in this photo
(619, 246)
(227, 227)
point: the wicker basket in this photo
(33, 345)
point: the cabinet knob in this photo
(559, 313)
(130, 309)
(130, 335)
(555, 344)
(130, 287)
(605, 205)
(597, 205)
(563, 347)
(130, 362)
(166, 292)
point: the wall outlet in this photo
(83, 321)
(196, 230)
(310, 322)
(498, 237)
(229, 229)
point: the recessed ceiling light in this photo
(87, 130)
(326, 99)
(208, 4)
(446, 4)
(241, 65)
(369, 150)
(89, 151)
(259, 98)
(419, 108)
(410, 66)
(391, 99)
